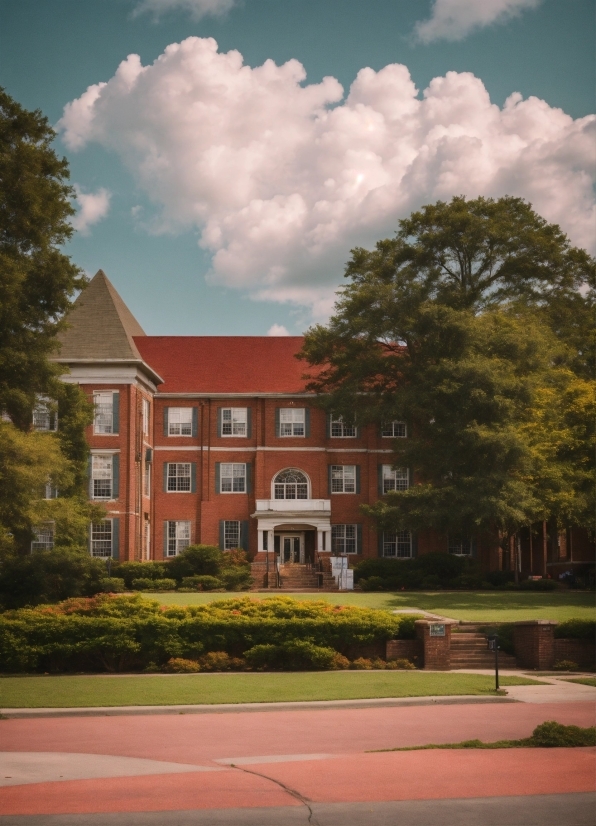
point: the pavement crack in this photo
(312, 820)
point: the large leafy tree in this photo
(37, 284)
(37, 280)
(472, 325)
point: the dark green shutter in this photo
(380, 543)
(307, 422)
(357, 431)
(165, 477)
(357, 478)
(248, 467)
(414, 544)
(328, 425)
(116, 538)
(222, 526)
(217, 477)
(248, 422)
(244, 535)
(116, 412)
(165, 539)
(115, 476)
(474, 547)
(380, 478)
(277, 422)
(358, 539)
(329, 479)
(410, 477)
(219, 418)
(193, 477)
(89, 475)
(165, 421)
(195, 422)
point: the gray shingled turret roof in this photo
(101, 325)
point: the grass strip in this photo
(547, 735)
(477, 606)
(194, 689)
(583, 681)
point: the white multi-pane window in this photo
(397, 544)
(147, 479)
(232, 477)
(101, 538)
(231, 534)
(233, 421)
(146, 416)
(344, 539)
(44, 418)
(50, 491)
(44, 537)
(395, 478)
(179, 477)
(180, 421)
(394, 430)
(460, 546)
(104, 419)
(178, 537)
(290, 484)
(343, 478)
(292, 421)
(340, 430)
(102, 471)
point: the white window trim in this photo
(228, 546)
(339, 421)
(178, 475)
(293, 420)
(106, 456)
(397, 542)
(102, 555)
(46, 529)
(184, 419)
(42, 411)
(389, 474)
(392, 435)
(343, 479)
(344, 526)
(233, 476)
(97, 394)
(146, 413)
(180, 542)
(238, 416)
(299, 470)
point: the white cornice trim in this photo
(236, 395)
(241, 449)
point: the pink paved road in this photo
(276, 750)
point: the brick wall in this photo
(534, 644)
(404, 649)
(576, 651)
(435, 649)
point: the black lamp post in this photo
(493, 645)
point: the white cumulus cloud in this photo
(277, 330)
(93, 206)
(196, 8)
(454, 19)
(282, 178)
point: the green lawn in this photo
(483, 606)
(183, 689)
(583, 681)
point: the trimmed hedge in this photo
(429, 571)
(117, 633)
(576, 629)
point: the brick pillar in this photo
(435, 645)
(534, 644)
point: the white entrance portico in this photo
(293, 518)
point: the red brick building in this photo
(214, 439)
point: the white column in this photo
(319, 540)
(260, 544)
(271, 541)
(328, 540)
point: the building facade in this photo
(215, 440)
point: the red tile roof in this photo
(225, 364)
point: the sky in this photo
(226, 155)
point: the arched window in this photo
(290, 484)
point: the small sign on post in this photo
(493, 645)
(437, 629)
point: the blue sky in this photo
(222, 189)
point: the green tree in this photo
(37, 280)
(37, 283)
(462, 326)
